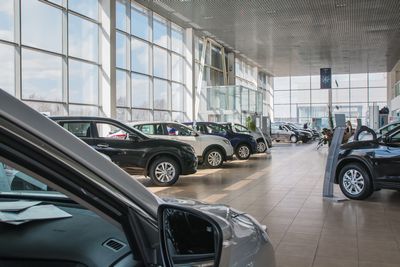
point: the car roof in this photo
(151, 122)
(50, 132)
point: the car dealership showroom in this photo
(200, 133)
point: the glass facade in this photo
(300, 99)
(56, 76)
(150, 65)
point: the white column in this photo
(108, 91)
(189, 74)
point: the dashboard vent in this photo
(114, 244)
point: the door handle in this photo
(103, 145)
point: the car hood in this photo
(165, 142)
(245, 241)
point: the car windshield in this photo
(216, 128)
(15, 182)
(240, 129)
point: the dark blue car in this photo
(244, 144)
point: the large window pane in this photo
(160, 32)
(141, 115)
(377, 79)
(161, 94)
(160, 68)
(140, 91)
(7, 68)
(140, 22)
(121, 17)
(177, 39)
(216, 57)
(83, 82)
(315, 82)
(300, 82)
(320, 96)
(41, 25)
(340, 81)
(377, 94)
(79, 110)
(340, 95)
(301, 96)
(140, 56)
(122, 42)
(282, 111)
(281, 83)
(123, 114)
(7, 20)
(89, 8)
(41, 76)
(162, 116)
(358, 95)
(177, 96)
(50, 109)
(282, 97)
(83, 38)
(177, 68)
(122, 89)
(178, 116)
(358, 80)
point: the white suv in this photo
(212, 150)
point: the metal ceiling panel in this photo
(298, 37)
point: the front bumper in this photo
(189, 165)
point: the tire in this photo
(261, 147)
(242, 152)
(213, 158)
(164, 171)
(355, 181)
(277, 140)
(293, 139)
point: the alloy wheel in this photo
(261, 147)
(244, 151)
(165, 172)
(353, 182)
(214, 159)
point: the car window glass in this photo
(110, 131)
(396, 138)
(240, 128)
(216, 129)
(80, 129)
(202, 129)
(12, 180)
(180, 130)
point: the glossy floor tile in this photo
(283, 191)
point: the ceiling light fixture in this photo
(208, 17)
(340, 5)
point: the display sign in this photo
(326, 78)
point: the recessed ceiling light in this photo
(208, 17)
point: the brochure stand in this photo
(331, 166)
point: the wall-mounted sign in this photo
(326, 78)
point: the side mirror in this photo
(188, 237)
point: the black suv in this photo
(162, 160)
(366, 166)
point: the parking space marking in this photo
(237, 185)
(214, 198)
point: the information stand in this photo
(268, 150)
(331, 165)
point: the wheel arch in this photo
(159, 155)
(347, 161)
(219, 147)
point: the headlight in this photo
(226, 141)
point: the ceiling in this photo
(298, 37)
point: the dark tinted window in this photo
(151, 129)
(80, 129)
(107, 130)
(176, 129)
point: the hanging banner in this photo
(326, 78)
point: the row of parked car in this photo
(165, 150)
(290, 132)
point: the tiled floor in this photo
(283, 191)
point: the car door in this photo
(387, 159)
(126, 152)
